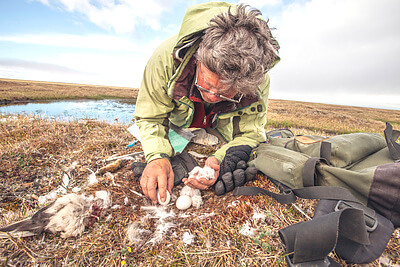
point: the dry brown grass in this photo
(12, 91)
(329, 119)
(33, 153)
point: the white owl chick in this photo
(195, 194)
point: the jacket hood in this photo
(197, 19)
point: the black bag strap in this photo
(290, 195)
(286, 197)
(309, 173)
(391, 136)
(326, 151)
(309, 243)
(309, 191)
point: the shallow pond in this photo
(103, 110)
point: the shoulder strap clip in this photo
(370, 221)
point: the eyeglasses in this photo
(214, 93)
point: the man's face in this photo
(210, 87)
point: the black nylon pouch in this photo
(351, 251)
(384, 195)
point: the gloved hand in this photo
(234, 171)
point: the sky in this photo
(332, 51)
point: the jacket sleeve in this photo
(246, 126)
(153, 104)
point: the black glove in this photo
(232, 157)
(138, 168)
(181, 164)
(234, 171)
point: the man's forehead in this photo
(211, 79)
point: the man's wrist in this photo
(158, 156)
(219, 158)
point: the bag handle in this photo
(391, 136)
(309, 173)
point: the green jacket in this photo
(169, 71)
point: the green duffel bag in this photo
(359, 162)
(341, 150)
(357, 178)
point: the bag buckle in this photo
(370, 221)
(322, 263)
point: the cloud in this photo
(91, 59)
(96, 69)
(96, 42)
(337, 46)
(40, 71)
(261, 3)
(40, 66)
(120, 16)
(125, 69)
(44, 2)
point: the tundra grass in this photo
(34, 154)
(329, 119)
(14, 91)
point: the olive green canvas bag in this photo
(361, 162)
(358, 171)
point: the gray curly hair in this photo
(239, 48)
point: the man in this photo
(212, 75)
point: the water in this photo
(102, 110)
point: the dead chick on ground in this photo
(69, 215)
